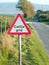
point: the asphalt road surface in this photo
(43, 33)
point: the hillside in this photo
(33, 52)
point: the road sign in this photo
(19, 26)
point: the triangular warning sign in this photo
(19, 26)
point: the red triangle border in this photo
(20, 33)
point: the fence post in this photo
(5, 23)
(1, 27)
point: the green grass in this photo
(33, 52)
(46, 23)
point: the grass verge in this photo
(33, 52)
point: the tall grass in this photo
(33, 52)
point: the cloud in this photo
(40, 1)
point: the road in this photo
(43, 33)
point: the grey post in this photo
(19, 50)
(1, 27)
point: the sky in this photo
(40, 1)
(33, 1)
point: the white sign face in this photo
(19, 26)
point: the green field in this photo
(33, 52)
(46, 23)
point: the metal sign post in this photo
(19, 49)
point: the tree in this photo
(27, 8)
(42, 16)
